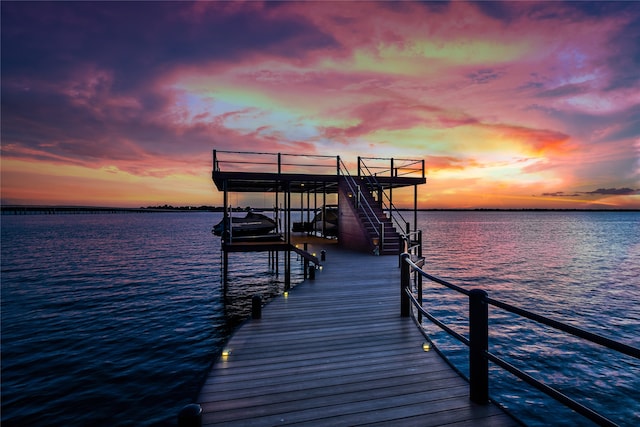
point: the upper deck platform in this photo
(301, 173)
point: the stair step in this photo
(392, 241)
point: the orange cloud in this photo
(504, 103)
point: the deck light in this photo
(426, 346)
(226, 353)
(286, 294)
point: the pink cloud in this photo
(456, 83)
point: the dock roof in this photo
(299, 173)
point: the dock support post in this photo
(391, 191)
(478, 346)
(415, 207)
(308, 209)
(190, 416)
(404, 284)
(256, 307)
(305, 262)
(287, 270)
(420, 276)
(225, 268)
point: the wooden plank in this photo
(337, 352)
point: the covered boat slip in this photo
(363, 191)
(335, 351)
(303, 173)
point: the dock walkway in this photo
(335, 352)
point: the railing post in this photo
(305, 263)
(405, 279)
(190, 416)
(359, 161)
(478, 346)
(415, 207)
(420, 275)
(256, 307)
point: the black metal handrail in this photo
(388, 205)
(362, 203)
(412, 243)
(394, 167)
(277, 162)
(478, 339)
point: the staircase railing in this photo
(362, 204)
(386, 202)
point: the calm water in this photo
(582, 268)
(114, 319)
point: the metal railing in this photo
(362, 204)
(479, 354)
(255, 161)
(280, 163)
(394, 167)
(386, 202)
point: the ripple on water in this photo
(115, 319)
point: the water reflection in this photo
(582, 268)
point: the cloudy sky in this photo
(510, 104)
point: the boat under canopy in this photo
(326, 221)
(253, 224)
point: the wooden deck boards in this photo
(336, 352)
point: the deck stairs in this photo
(378, 225)
(391, 241)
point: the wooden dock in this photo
(336, 352)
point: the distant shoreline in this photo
(39, 209)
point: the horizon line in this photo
(214, 208)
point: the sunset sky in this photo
(510, 104)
